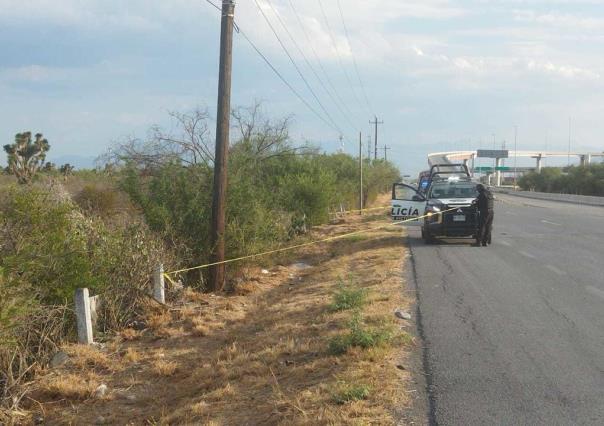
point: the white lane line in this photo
(551, 223)
(595, 291)
(555, 270)
(512, 213)
(505, 243)
(530, 256)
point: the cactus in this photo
(25, 157)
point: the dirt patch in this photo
(316, 343)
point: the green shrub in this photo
(582, 180)
(348, 296)
(275, 191)
(359, 336)
(97, 200)
(349, 393)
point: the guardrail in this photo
(564, 198)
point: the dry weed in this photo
(132, 355)
(69, 386)
(129, 334)
(201, 408)
(164, 368)
(85, 357)
(159, 320)
(200, 330)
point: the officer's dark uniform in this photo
(486, 214)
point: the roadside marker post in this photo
(159, 287)
(83, 316)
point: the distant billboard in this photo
(493, 153)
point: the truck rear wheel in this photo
(428, 239)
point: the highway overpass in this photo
(469, 158)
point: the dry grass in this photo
(261, 356)
(164, 368)
(89, 357)
(159, 320)
(129, 334)
(132, 355)
(69, 386)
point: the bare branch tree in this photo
(264, 138)
(189, 143)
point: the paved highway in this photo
(514, 332)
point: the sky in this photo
(441, 74)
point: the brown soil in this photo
(257, 357)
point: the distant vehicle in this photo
(438, 171)
(450, 188)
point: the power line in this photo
(335, 46)
(296, 67)
(354, 61)
(277, 73)
(318, 59)
(312, 68)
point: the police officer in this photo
(486, 214)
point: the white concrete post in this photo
(83, 316)
(159, 292)
(539, 158)
(497, 172)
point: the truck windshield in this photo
(453, 190)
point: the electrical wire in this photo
(354, 61)
(310, 89)
(312, 68)
(335, 46)
(318, 59)
(276, 71)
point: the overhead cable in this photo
(354, 61)
(318, 59)
(312, 68)
(277, 73)
(335, 46)
(297, 68)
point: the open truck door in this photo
(407, 203)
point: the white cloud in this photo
(575, 23)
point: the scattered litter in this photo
(101, 391)
(300, 266)
(265, 272)
(400, 367)
(59, 359)
(399, 313)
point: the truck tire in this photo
(428, 239)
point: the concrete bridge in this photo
(469, 158)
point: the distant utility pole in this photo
(375, 141)
(217, 232)
(569, 122)
(361, 172)
(369, 147)
(515, 156)
(386, 148)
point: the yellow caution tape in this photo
(297, 246)
(360, 210)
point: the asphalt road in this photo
(514, 332)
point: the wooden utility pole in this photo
(386, 148)
(375, 141)
(217, 233)
(361, 172)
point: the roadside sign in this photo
(488, 169)
(493, 153)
